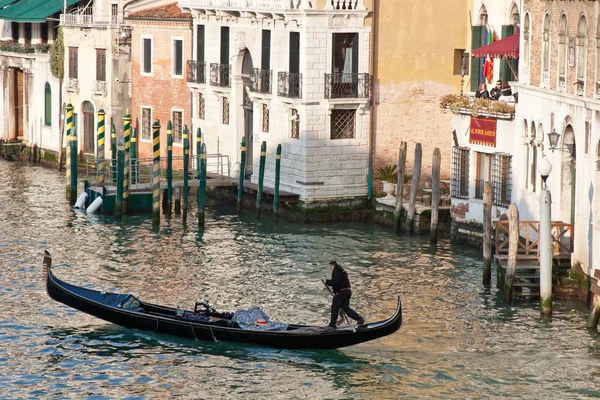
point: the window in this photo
(177, 57)
(526, 41)
(295, 124)
(345, 53)
(265, 62)
(147, 55)
(459, 61)
(459, 179)
(546, 49)
(146, 124)
(101, 65)
(265, 118)
(48, 105)
(177, 126)
(225, 45)
(563, 50)
(73, 60)
(114, 13)
(225, 112)
(201, 106)
(294, 66)
(483, 173)
(343, 124)
(582, 48)
(533, 159)
(501, 179)
(200, 43)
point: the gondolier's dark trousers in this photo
(342, 300)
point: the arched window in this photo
(563, 49)
(48, 105)
(546, 51)
(533, 158)
(514, 16)
(526, 41)
(525, 135)
(581, 54)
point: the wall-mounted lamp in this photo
(553, 139)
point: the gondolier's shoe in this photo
(360, 321)
(330, 328)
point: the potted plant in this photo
(389, 176)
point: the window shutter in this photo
(225, 45)
(355, 54)
(266, 50)
(178, 57)
(48, 105)
(147, 56)
(294, 52)
(505, 72)
(200, 44)
(476, 32)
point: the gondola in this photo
(127, 311)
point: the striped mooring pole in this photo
(156, 174)
(202, 185)
(120, 178)
(169, 168)
(133, 156)
(186, 163)
(100, 155)
(261, 177)
(277, 172)
(72, 156)
(126, 137)
(113, 152)
(198, 150)
(242, 173)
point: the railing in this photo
(580, 87)
(347, 86)
(220, 75)
(562, 238)
(72, 85)
(100, 87)
(88, 19)
(562, 83)
(345, 5)
(546, 79)
(196, 71)
(261, 80)
(289, 85)
(250, 5)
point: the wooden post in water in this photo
(261, 177)
(156, 174)
(487, 233)
(592, 321)
(133, 155)
(198, 150)
(277, 173)
(202, 185)
(435, 195)
(242, 173)
(120, 178)
(416, 176)
(186, 164)
(100, 155)
(69, 168)
(370, 182)
(545, 252)
(113, 153)
(177, 192)
(513, 248)
(400, 186)
(126, 136)
(169, 168)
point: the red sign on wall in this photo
(483, 131)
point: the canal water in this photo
(458, 339)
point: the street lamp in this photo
(553, 139)
(545, 167)
(545, 232)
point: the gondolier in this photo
(342, 293)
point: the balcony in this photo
(196, 71)
(72, 85)
(261, 81)
(347, 86)
(580, 87)
(562, 83)
(100, 87)
(465, 105)
(274, 6)
(220, 75)
(289, 85)
(345, 5)
(87, 19)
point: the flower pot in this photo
(390, 189)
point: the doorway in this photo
(88, 127)
(568, 176)
(248, 107)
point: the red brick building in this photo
(161, 44)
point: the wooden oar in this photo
(341, 311)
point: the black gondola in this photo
(129, 312)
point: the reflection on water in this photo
(458, 340)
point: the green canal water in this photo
(458, 339)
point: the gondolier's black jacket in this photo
(339, 279)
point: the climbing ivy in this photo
(57, 56)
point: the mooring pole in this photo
(277, 173)
(186, 163)
(416, 176)
(156, 174)
(545, 252)
(169, 168)
(261, 177)
(100, 155)
(513, 248)
(487, 233)
(120, 178)
(592, 321)
(400, 186)
(435, 195)
(198, 151)
(370, 182)
(202, 185)
(126, 136)
(133, 156)
(71, 158)
(242, 173)
(113, 153)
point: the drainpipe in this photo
(374, 45)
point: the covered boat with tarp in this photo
(205, 323)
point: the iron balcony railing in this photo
(196, 71)
(289, 85)
(347, 86)
(220, 75)
(261, 80)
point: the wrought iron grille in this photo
(201, 106)
(289, 85)
(261, 80)
(459, 180)
(220, 75)
(146, 123)
(501, 179)
(196, 71)
(343, 124)
(295, 124)
(225, 111)
(265, 118)
(347, 86)
(177, 126)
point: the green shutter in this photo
(505, 72)
(48, 105)
(475, 62)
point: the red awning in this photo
(503, 48)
